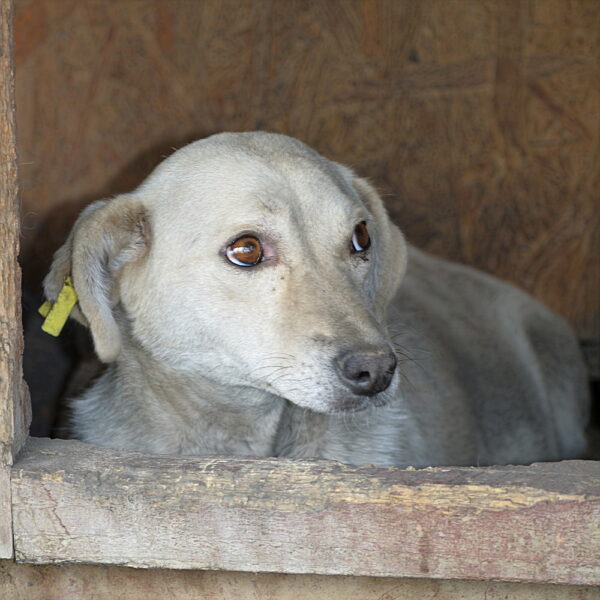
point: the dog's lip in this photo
(343, 404)
(349, 406)
(357, 403)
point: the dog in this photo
(252, 297)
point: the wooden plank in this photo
(14, 402)
(78, 503)
(85, 582)
(6, 546)
(12, 422)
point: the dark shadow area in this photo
(55, 369)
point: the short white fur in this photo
(209, 358)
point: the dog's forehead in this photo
(223, 178)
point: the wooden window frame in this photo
(65, 501)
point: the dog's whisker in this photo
(273, 380)
(283, 355)
(303, 380)
(276, 367)
(262, 367)
(404, 354)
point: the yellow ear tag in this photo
(57, 313)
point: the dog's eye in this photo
(360, 238)
(245, 251)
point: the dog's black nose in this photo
(366, 372)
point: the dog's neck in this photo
(167, 411)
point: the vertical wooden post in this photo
(14, 401)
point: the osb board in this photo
(480, 119)
(13, 411)
(78, 582)
(77, 503)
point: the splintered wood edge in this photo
(76, 503)
(14, 399)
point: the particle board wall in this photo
(480, 120)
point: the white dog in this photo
(253, 298)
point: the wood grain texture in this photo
(480, 120)
(14, 405)
(85, 582)
(6, 545)
(78, 503)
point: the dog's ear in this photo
(107, 236)
(390, 248)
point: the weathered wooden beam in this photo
(36, 582)
(79, 503)
(6, 545)
(14, 402)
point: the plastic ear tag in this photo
(57, 313)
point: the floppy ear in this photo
(390, 248)
(107, 236)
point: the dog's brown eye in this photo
(360, 238)
(245, 251)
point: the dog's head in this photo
(248, 259)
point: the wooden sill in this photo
(78, 503)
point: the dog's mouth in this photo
(331, 398)
(346, 404)
(356, 404)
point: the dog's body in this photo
(291, 356)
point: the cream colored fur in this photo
(207, 357)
